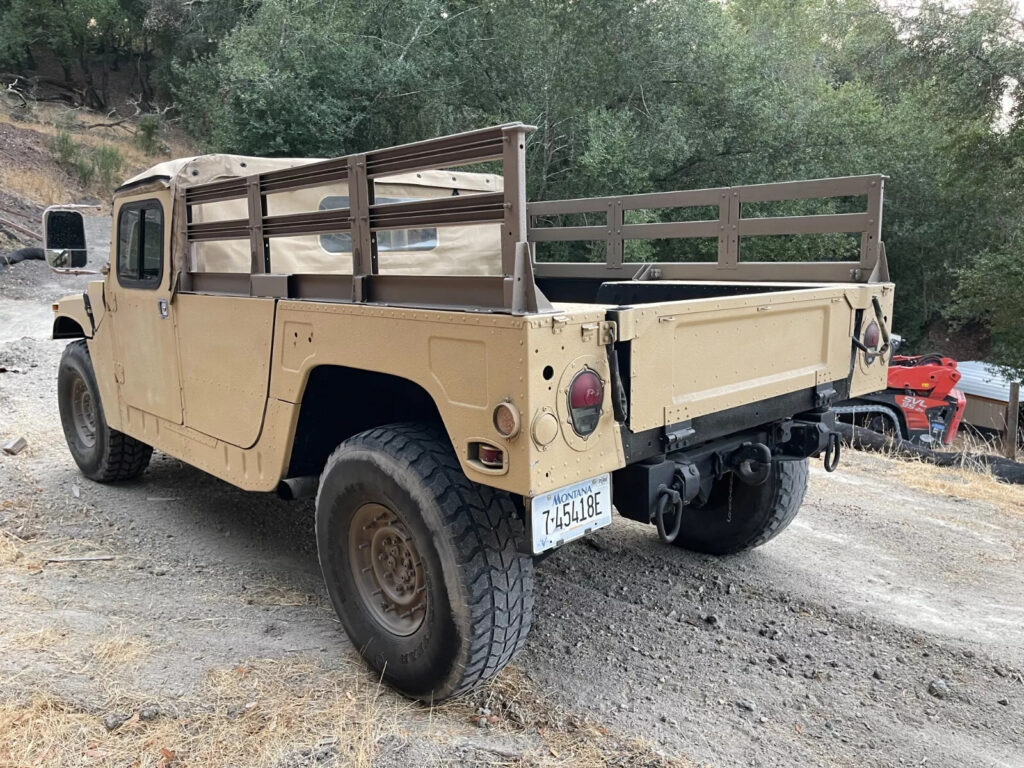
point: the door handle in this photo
(161, 305)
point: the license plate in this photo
(571, 512)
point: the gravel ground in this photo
(885, 627)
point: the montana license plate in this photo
(571, 512)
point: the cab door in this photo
(145, 348)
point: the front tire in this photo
(758, 512)
(103, 454)
(422, 565)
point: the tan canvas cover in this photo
(457, 250)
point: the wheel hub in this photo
(83, 413)
(387, 569)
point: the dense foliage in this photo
(628, 97)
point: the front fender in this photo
(72, 319)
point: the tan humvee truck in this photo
(381, 331)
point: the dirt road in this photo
(885, 627)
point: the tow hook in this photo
(668, 497)
(833, 451)
(671, 500)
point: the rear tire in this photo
(759, 512)
(422, 565)
(103, 454)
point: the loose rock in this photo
(113, 721)
(15, 446)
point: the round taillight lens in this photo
(872, 335)
(586, 393)
(506, 420)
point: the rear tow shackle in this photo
(667, 511)
(668, 498)
(833, 450)
(814, 434)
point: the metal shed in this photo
(987, 390)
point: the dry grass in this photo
(271, 713)
(970, 442)
(50, 120)
(279, 596)
(48, 185)
(971, 482)
(567, 738)
(43, 187)
(30, 552)
(10, 548)
(39, 640)
(119, 649)
(16, 552)
(256, 715)
(974, 484)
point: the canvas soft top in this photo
(463, 250)
(202, 169)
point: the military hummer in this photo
(384, 332)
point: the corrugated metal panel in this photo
(983, 380)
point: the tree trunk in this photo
(143, 73)
(864, 439)
(90, 96)
(105, 73)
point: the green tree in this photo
(627, 97)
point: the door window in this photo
(140, 244)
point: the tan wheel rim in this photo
(83, 413)
(387, 569)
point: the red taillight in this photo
(871, 335)
(490, 456)
(586, 393)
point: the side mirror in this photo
(64, 238)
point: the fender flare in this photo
(73, 318)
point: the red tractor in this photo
(921, 404)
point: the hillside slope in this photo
(52, 154)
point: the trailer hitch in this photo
(751, 462)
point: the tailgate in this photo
(691, 358)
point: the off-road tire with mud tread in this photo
(112, 455)
(479, 586)
(759, 512)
